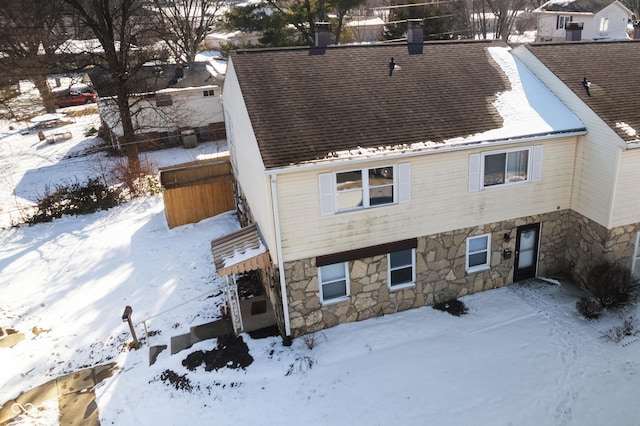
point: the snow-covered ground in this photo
(520, 356)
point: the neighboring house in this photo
(573, 20)
(170, 104)
(605, 206)
(366, 29)
(378, 187)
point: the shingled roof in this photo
(151, 78)
(612, 67)
(312, 104)
(575, 6)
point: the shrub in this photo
(589, 307)
(144, 182)
(612, 285)
(73, 199)
(616, 334)
(454, 307)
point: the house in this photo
(605, 206)
(386, 177)
(170, 104)
(574, 20)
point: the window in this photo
(163, 99)
(208, 92)
(498, 168)
(364, 188)
(635, 263)
(604, 26)
(563, 21)
(478, 253)
(334, 282)
(401, 268)
(505, 167)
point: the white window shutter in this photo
(404, 183)
(326, 193)
(536, 164)
(474, 172)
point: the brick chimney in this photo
(323, 34)
(415, 36)
(573, 31)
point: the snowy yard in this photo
(520, 356)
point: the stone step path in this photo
(74, 391)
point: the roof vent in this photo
(574, 31)
(323, 34)
(415, 36)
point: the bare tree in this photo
(505, 13)
(118, 25)
(184, 24)
(28, 42)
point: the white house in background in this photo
(573, 20)
(170, 104)
(368, 29)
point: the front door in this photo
(526, 259)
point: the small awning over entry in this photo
(240, 251)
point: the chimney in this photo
(573, 31)
(323, 34)
(415, 36)
(636, 30)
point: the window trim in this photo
(347, 285)
(401, 286)
(328, 194)
(481, 267)
(506, 152)
(365, 188)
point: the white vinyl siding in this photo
(401, 272)
(626, 200)
(478, 253)
(334, 282)
(440, 202)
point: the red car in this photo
(73, 98)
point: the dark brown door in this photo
(526, 258)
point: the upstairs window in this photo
(499, 168)
(364, 188)
(604, 26)
(208, 92)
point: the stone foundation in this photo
(569, 244)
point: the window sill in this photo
(401, 286)
(334, 301)
(478, 269)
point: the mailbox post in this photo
(126, 317)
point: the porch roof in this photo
(240, 251)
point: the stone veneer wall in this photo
(589, 243)
(440, 274)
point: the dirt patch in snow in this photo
(230, 352)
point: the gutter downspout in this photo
(283, 284)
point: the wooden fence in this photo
(197, 190)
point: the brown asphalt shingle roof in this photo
(306, 106)
(612, 67)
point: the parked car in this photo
(75, 97)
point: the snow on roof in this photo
(529, 108)
(365, 22)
